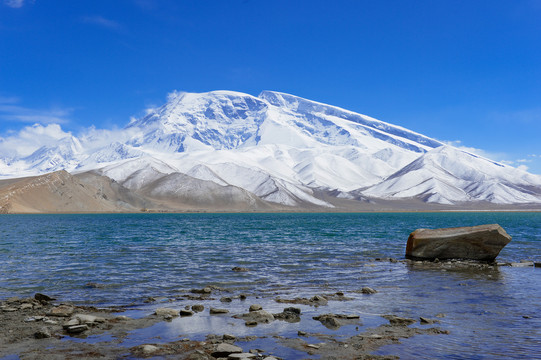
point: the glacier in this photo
(231, 147)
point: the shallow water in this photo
(135, 256)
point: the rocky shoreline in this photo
(44, 328)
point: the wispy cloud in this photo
(102, 22)
(525, 116)
(29, 139)
(11, 110)
(14, 3)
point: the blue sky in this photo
(467, 72)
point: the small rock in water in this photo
(205, 290)
(77, 329)
(440, 315)
(226, 299)
(93, 285)
(537, 264)
(215, 311)
(43, 297)
(255, 307)
(241, 356)
(301, 333)
(243, 296)
(167, 312)
(149, 349)
(424, 320)
(397, 320)
(240, 269)
(198, 308)
(228, 337)
(368, 290)
(185, 312)
(225, 349)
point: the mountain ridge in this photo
(279, 149)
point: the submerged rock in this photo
(482, 243)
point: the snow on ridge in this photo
(281, 147)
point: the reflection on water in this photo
(491, 312)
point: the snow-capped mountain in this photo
(277, 148)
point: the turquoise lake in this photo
(492, 313)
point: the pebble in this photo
(149, 349)
(228, 337)
(185, 312)
(226, 299)
(42, 333)
(198, 308)
(225, 349)
(313, 346)
(61, 311)
(241, 356)
(77, 329)
(215, 311)
(43, 297)
(255, 307)
(368, 290)
(167, 312)
(301, 333)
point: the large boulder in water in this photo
(483, 243)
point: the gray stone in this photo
(259, 316)
(149, 349)
(61, 311)
(43, 297)
(482, 243)
(397, 320)
(241, 356)
(215, 311)
(43, 333)
(225, 349)
(88, 319)
(167, 312)
(368, 290)
(424, 320)
(328, 320)
(185, 312)
(228, 337)
(77, 329)
(70, 323)
(198, 308)
(226, 299)
(255, 307)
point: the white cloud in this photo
(522, 167)
(14, 3)
(10, 110)
(103, 22)
(29, 139)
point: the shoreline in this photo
(198, 324)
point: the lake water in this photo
(493, 313)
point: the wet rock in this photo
(43, 297)
(148, 349)
(319, 300)
(228, 337)
(368, 290)
(215, 311)
(259, 316)
(537, 264)
(198, 308)
(255, 307)
(167, 312)
(226, 299)
(206, 290)
(243, 296)
(290, 314)
(61, 311)
(43, 333)
(88, 319)
(301, 333)
(240, 269)
(185, 313)
(93, 285)
(397, 320)
(425, 321)
(77, 329)
(440, 315)
(250, 323)
(241, 356)
(316, 300)
(225, 349)
(70, 323)
(482, 243)
(522, 264)
(328, 320)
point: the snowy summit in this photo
(225, 147)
